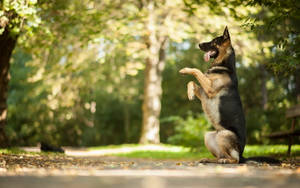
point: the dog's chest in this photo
(211, 107)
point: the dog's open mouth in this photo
(209, 54)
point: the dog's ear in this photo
(226, 33)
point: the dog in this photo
(220, 99)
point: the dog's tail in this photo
(259, 159)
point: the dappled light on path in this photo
(101, 151)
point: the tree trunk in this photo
(152, 84)
(126, 122)
(264, 91)
(7, 44)
(297, 84)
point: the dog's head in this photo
(219, 48)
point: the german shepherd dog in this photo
(220, 99)
(218, 92)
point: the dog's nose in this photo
(201, 46)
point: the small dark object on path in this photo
(50, 148)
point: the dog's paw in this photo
(222, 161)
(227, 161)
(191, 90)
(186, 71)
(206, 160)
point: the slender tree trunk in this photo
(7, 44)
(297, 84)
(153, 78)
(126, 121)
(264, 91)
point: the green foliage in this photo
(189, 131)
(262, 119)
(12, 151)
(280, 16)
(56, 111)
(109, 122)
(17, 15)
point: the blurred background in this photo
(86, 73)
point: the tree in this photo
(13, 14)
(7, 44)
(19, 21)
(161, 24)
(155, 63)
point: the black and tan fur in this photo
(218, 92)
(220, 99)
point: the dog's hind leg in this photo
(211, 143)
(228, 144)
(223, 145)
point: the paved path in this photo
(148, 182)
(203, 177)
(35, 171)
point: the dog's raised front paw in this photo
(191, 90)
(186, 71)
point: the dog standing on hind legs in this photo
(220, 99)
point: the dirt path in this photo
(62, 171)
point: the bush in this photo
(189, 131)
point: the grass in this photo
(165, 155)
(161, 151)
(19, 151)
(12, 151)
(270, 150)
(164, 151)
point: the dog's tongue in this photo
(207, 55)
